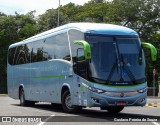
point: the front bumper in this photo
(109, 99)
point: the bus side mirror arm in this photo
(152, 49)
(86, 47)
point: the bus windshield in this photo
(115, 60)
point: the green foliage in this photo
(93, 11)
(13, 29)
(140, 15)
(48, 20)
(71, 11)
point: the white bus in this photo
(80, 65)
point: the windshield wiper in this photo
(129, 73)
(112, 71)
(116, 64)
(120, 64)
(119, 60)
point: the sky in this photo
(9, 7)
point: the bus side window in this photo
(11, 55)
(39, 54)
(62, 47)
(57, 47)
(36, 50)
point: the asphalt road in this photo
(45, 114)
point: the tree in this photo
(93, 11)
(48, 20)
(140, 15)
(71, 11)
(13, 28)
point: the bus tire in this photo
(24, 102)
(22, 97)
(115, 110)
(66, 103)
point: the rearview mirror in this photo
(80, 54)
(86, 47)
(152, 49)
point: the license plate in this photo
(121, 103)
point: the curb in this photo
(152, 97)
(3, 95)
(156, 104)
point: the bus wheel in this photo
(22, 97)
(24, 102)
(67, 105)
(115, 110)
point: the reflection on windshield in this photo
(129, 48)
(115, 59)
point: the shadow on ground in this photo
(90, 115)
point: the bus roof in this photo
(102, 28)
(94, 28)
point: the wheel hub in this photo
(68, 102)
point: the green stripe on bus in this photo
(48, 77)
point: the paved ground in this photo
(10, 110)
(153, 102)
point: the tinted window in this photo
(11, 55)
(57, 47)
(31, 52)
(19, 55)
(103, 53)
(49, 48)
(63, 47)
(75, 35)
(36, 50)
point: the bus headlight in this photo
(142, 90)
(93, 89)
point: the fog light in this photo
(95, 100)
(142, 100)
